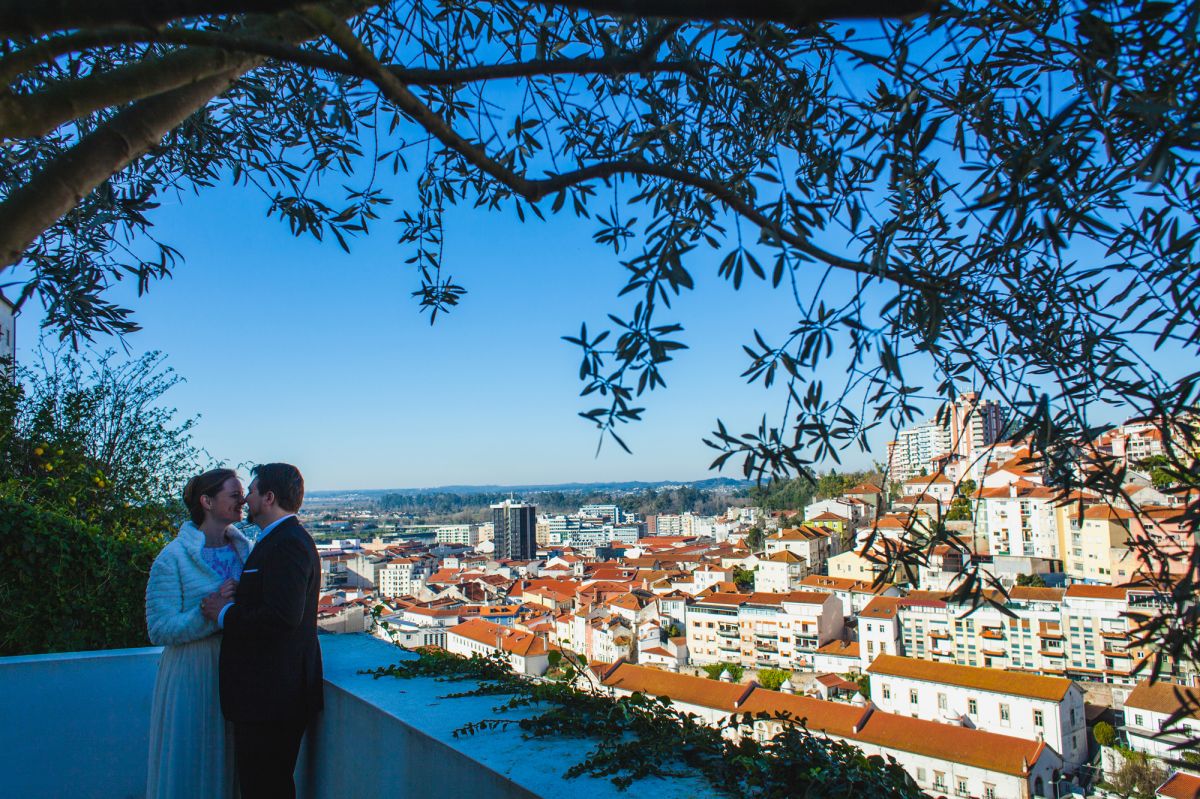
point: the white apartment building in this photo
(1147, 709)
(1028, 706)
(855, 510)
(879, 630)
(854, 594)
(403, 576)
(763, 630)
(461, 534)
(780, 572)
(814, 544)
(1084, 632)
(1019, 519)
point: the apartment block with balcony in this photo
(762, 630)
(1019, 520)
(1028, 706)
(1084, 632)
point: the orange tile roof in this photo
(1180, 785)
(510, 640)
(1164, 697)
(1030, 593)
(848, 649)
(986, 750)
(684, 688)
(805, 532)
(881, 607)
(1082, 591)
(999, 681)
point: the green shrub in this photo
(1104, 733)
(713, 670)
(68, 585)
(771, 679)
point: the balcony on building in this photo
(79, 727)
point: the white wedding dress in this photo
(191, 744)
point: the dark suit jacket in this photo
(270, 658)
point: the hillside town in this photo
(1037, 687)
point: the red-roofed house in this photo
(526, 652)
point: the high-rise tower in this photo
(515, 530)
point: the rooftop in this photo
(999, 681)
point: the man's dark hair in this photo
(284, 481)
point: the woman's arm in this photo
(167, 621)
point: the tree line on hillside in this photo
(796, 493)
(445, 506)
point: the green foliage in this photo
(756, 538)
(69, 585)
(771, 679)
(1105, 733)
(863, 681)
(960, 510)
(90, 464)
(743, 579)
(715, 670)
(1031, 580)
(641, 736)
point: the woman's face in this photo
(226, 505)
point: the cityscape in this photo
(600, 398)
(802, 610)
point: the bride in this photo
(191, 750)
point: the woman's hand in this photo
(228, 588)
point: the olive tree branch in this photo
(24, 116)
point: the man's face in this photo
(253, 501)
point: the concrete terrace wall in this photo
(76, 725)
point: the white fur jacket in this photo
(179, 579)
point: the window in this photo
(1037, 718)
(939, 780)
(941, 701)
(972, 708)
(912, 696)
(920, 775)
(989, 791)
(962, 788)
(1072, 717)
(1137, 719)
(1003, 714)
(887, 691)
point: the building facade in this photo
(514, 530)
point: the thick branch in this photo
(38, 17)
(30, 115)
(23, 116)
(31, 209)
(788, 12)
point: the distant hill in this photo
(712, 483)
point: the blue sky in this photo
(293, 350)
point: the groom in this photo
(270, 658)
